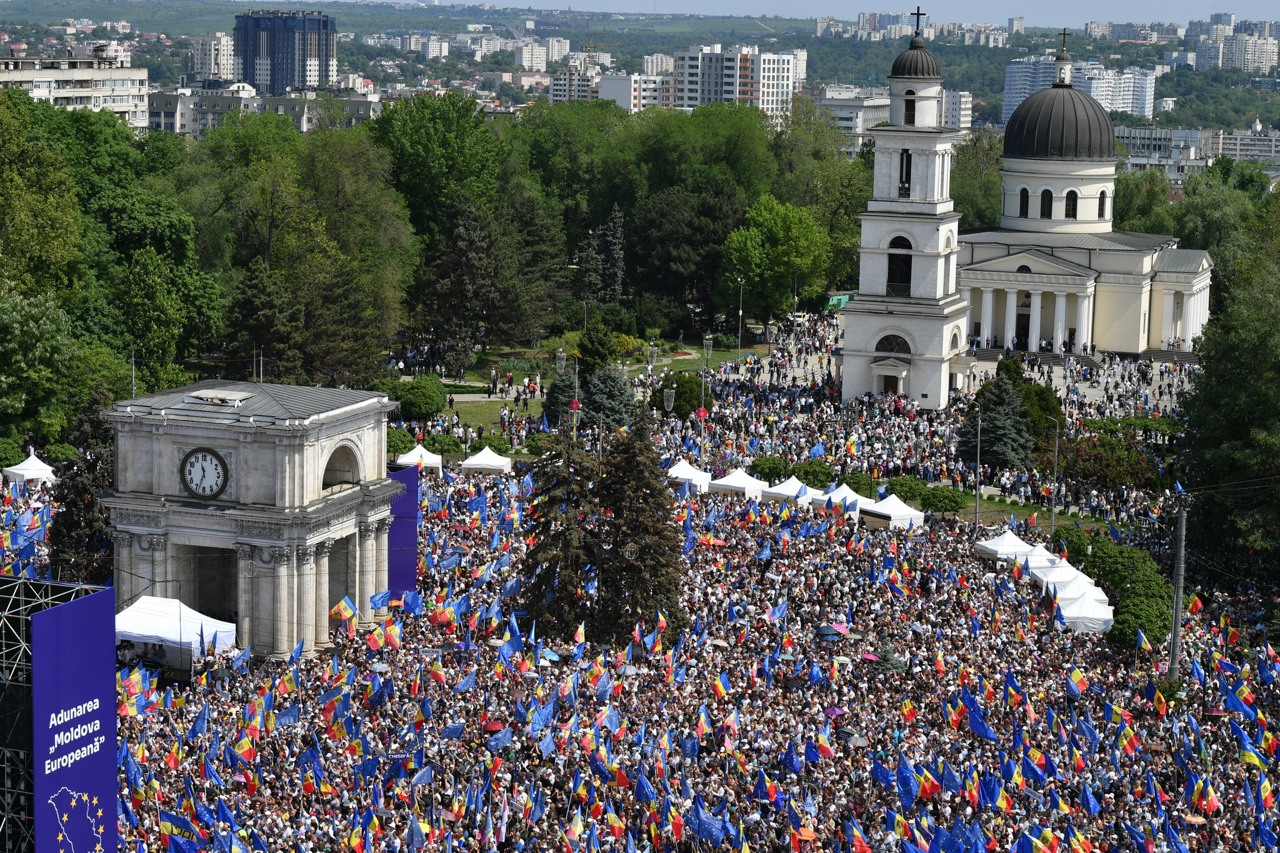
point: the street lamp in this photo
(977, 477)
(741, 282)
(560, 360)
(668, 399)
(651, 354)
(708, 342)
(1053, 490)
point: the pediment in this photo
(1038, 262)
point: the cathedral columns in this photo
(1059, 321)
(381, 581)
(126, 580)
(1033, 327)
(1166, 328)
(1088, 318)
(367, 560)
(1082, 321)
(1010, 317)
(987, 311)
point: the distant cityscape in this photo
(280, 62)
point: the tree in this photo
(1233, 420)
(641, 569)
(975, 179)
(38, 354)
(441, 152)
(80, 538)
(814, 473)
(596, 348)
(608, 399)
(566, 530)
(1005, 441)
(688, 397)
(941, 500)
(771, 469)
(781, 254)
(1142, 203)
(910, 489)
(399, 441)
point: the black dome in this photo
(916, 61)
(1060, 123)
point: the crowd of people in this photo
(840, 688)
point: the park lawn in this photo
(487, 413)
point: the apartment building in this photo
(214, 57)
(277, 52)
(1132, 90)
(531, 56)
(709, 74)
(98, 82)
(195, 112)
(634, 92)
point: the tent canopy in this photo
(170, 623)
(420, 455)
(842, 494)
(1058, 572)
(892, 513)
(791, 490)
(488, 461)
(1079, 586)
(1002, 547)
(683, 472)
(1088, 616)
(739, 482)
(1039, 557)
(30, 468)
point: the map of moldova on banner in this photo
(74, 716)
(402, 539)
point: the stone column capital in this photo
(323, 547)
(281, 555)
(384, 525)
(367, 530)
(158, 542)
(304, 555)
(244, 551)
(122, 537)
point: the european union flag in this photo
(465, 685)
(499, 741)
(452, 731)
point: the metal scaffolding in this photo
(19, 599)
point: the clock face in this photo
(203, 473)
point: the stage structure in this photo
(20, 600)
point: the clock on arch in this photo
(204, 473)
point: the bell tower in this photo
(907, 322)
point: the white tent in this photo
(893, 514)
(1079, 586)
(1003, 547)
(791, 490)
(741, 483)
(420, 454)
(1039, 557)
(172, 626)
(1088, 616)
(30, 468)
(1057, 572)
(683, 472)
(842, 494)
(486, 461)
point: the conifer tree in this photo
(566, 537)
(80, 536)
(1005, 440)
(641, 567)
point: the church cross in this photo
(1065, 32)
(918, 15)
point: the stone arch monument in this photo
(258, 504)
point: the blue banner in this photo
(73, 691)
(402, 539)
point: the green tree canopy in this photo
(782, 256)
(1005, 442)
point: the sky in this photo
(1037, 14)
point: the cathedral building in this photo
(1053, 278)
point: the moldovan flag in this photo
(720, 686)
(1195, 605)
(344, 609)
(1143, 643)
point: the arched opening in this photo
(1073, 199)
(899, 281)
(1046, 204)
(894, 344)
(1024, 269)
(904, 174)
(909, 108)
(342, 470)
(955, 341)
(1024, 203)
(1102, 205)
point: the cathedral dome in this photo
(1060, 123)
(916, 61)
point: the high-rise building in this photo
(531, 57)
(1132, 90)
(557, 48)
(214, 57)
(957, 110)
(279, 51)
(1250, 53)
(435, 47)
(1017, 26)
(856, 110)
(634, 92)
(709, 74)
(659, 63)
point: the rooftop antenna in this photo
(919, 16)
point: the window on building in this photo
(899, 282)
(1024, 203)
(1046, 204)
(1073, 199)
(1102, 205)
(904, 174)
(909, 108)
(895, 344)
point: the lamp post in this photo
(651, 354)
(708, 342)
(668, 399)
(1053, 489)
(977, 477)
(741, 282)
